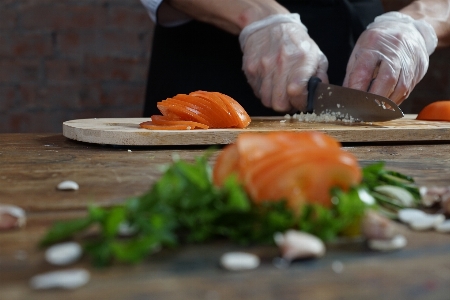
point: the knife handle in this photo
(312, 85)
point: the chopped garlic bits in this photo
(323, 117)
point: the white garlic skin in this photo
(68, 185)
(64, 253)
(295, 244)
(239, 261)
(65, 279)
(419, 220)
(11, 217)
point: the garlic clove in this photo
(429, 196)
(396, 243)
(443, 227)
(11, 216)
(239, 261)
(68, 185)
(408, 215)
(426, 222)
(63, 253)
(376, 226)
(66, 279)
(295, 244)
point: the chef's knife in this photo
(350, 104)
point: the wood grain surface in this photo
(31, 165)
(125, 131)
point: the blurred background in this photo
(70, 59)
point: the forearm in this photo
(230, 15)
(437, 13)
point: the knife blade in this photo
(349, 104)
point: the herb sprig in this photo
(184, 206)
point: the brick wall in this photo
(70, 59)
(63, 60)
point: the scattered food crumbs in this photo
(21, 255)
(66, 279)
(337, 266)
(68, 185)
(281, 263)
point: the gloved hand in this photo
(279, 58)
(400, 46)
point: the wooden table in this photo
(31, 165)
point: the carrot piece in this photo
(300, 167)
(149, 125)
(170, 107)
(436, 111)
(301, 176)
(209, 96)
(166, 118)
(236, 110)
(210, 112)
(167, 121)
(213, 101)
(227, 163)
(254, 145)
(211, 109)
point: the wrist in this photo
(268, 21)
(256, 12)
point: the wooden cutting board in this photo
(126, 131)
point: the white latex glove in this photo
(279, 58)
(400, 46)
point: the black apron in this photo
(199, 56)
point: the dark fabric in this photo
(198, 56)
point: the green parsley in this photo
(184, 206)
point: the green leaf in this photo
(134, 250)
(64, 230)
(112, 220)
(100, 251)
